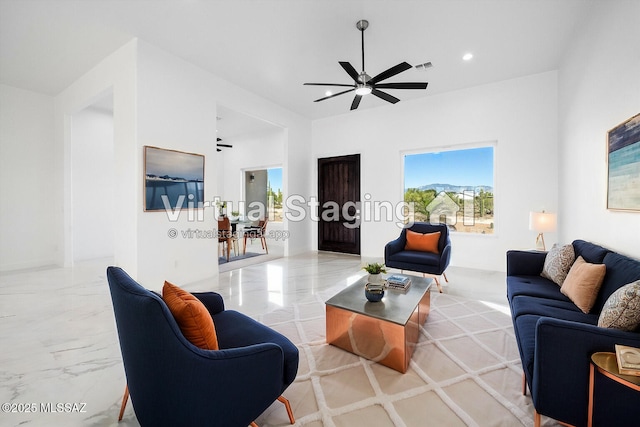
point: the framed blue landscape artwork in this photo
(623, 159)
(172, 179)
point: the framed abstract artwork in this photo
(623, 166)
(172, 179)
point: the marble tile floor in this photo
(59, 343)
(276, 250)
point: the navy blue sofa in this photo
(556, 339)
(174, 383)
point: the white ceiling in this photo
(271, 47)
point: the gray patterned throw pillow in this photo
(558, 263)
(622, 309)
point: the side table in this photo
(607, 365)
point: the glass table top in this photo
(396, 306)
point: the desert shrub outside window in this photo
(452, 186)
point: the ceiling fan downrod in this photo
(362, 25)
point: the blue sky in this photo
(176, 164)
(473, 166)
(274, 176)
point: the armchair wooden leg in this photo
(445, 277)
(125, 399)
(438, 284)
(536, 418)
(434, 278)
(524, 384)
(288, 406)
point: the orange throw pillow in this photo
(427, 242)
(583, 283)
(192, 316)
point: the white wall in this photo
(28, 202)
(115, 75)
(163, 101)
(260, 150)
(296, 161)
(92, 184)
(599, 88)
(520, 115)
(176, 109)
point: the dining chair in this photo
(227, 237)
(259, 232)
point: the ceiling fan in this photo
(222, 145)
(363, 84)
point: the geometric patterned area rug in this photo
(465, 370)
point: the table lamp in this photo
(542, 222)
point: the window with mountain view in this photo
(453, 187)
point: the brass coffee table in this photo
(386, 331)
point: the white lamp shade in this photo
(542, 222)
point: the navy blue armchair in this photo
(174, 383)
(395, 255)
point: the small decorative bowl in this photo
(374, 294)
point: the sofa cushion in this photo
(583, 283)
(557, 263)
(620, 271)
(424, 242)
(589, 251)
(238, 330)
(535, 286)
(543, 307)
(192, 317)
(622, 309)
(415, 257)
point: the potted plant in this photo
(375, 271)
(222, 208)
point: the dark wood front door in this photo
(339, 197)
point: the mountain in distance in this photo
(152, 177)
(449, 188)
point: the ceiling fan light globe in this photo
(363, 90)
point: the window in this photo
(274, 194)
(453, 187)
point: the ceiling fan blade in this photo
(328, 84)
(218, 139)
(350, 70)
(335, 94)
(383, 95)
(356, 102)
(397, 69)
(225, 145)
(218, 150)
(402, 85)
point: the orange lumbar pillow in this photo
(427, 242)
(192, 316)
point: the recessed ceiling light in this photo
(328, 93)
(467, 56)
